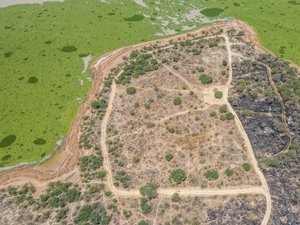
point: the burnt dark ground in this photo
(236, 212)
(266, 130)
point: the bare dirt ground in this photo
(64, 166)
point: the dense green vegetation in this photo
(41, 50)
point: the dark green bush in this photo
(149, 190)
(175, 197)
(229, 172)
(211, 174)
(131, 90)
(177, 101)
(205, 79)
(178, 176)
(223, 108)
(169, 156)
(247, 167)
(145, 206)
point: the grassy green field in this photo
(41, 80)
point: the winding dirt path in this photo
(245, 136)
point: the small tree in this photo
(169, 156)
(131, 90)
(145, 206)
(229, 172)
(229, 116)
(223, 108)
(178, 176)
(247, 166)
(247, 112)
(211, 174)
(149, 190)
(205, 79)
(213, 114)
(175, 197)
(218, 94)
(223, 117)
(177, 101)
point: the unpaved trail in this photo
(248, 143)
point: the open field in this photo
(42, 48)
(150, 134)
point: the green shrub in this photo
(147, 106)
(224, 62)
(229, 116)
(101, 104)
(122, 177)
(229, 172)
(247, 112)
(145, 206)
(211, 174)
(53, 202)
(223, 117)
(213, 114)
(131, 90)
(61, 214)
(205, 79)
(177, 101)
(247, 166)
(171, 130)
(241, 86)
(72, 195)
(175, 198)
(178, 176)
(169, 156)
(223, 108)
(143, 222)
(149, 190)
(230, 98)
(218, 94)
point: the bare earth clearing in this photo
(159, 122)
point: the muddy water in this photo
(6, 3)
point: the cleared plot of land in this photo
(168, 123)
